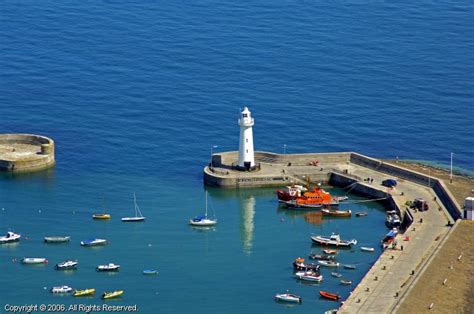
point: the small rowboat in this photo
(288, 297)
(361, 214)
(329, 263)
(336, 212)
(349, 266)
(330, 251)
(34, 260)
(62, 289)
(329, 295)
(150, 272)
(337, 275)
(56, 239)
(346, 282)
(367, 249)
(83, 293)
(102, 216)
(111, 295)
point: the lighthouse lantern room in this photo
(246, 153)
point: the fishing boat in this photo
(94, 242)
(83, 293)
(108, 267)
(34, 260)
(111, 295)
(392, 219)
(288, 297)
(347, 266)
(330, 251)
(315, 198)
(150, 272)
(337, 275)
(322, 257)
(291, 193)
(336, 212)
(66, 265)
(203, 221)
(61, 289)
(329, 295)
(299, 265)
(346, 282)
(101, 216)
(329, 263)
(367, 249)
(361, 214)
(309, 276)
(10, 237)
(334, 239)
(138, 214)
(57, 239)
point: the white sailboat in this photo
(202, 221)
(138, 214)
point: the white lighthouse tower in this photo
(246, 154)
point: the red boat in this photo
(329, 295)
(295, 196)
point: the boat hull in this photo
(84, 293)
(202, 223)
(111, 295)
(328, 242)
(328, 295)
(34, 260)
(288, 298)
(56, 239)
(133, 219)
(97, 242)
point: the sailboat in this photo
(202, 221)
(138, 214)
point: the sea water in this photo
(136, 94)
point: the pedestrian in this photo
(401, 247)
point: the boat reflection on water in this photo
(312, 217)
(247, 212)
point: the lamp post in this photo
(212, 152)
(451, 170)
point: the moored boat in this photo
(61, 289)
(203, 220)
(392, 219)
(288, 297)
(83, 293)
(299, 265)
(346, 282)
(329, 295)
(347, 266)
(315, 198)
(111, 295)
(337, 275)
(67, 265)
(328, 263)
(57, 239)
(101, 216)
(138, 214)
(336, 212)
(309, 276)
(367, 249)
(361, 214)
(108, 267)
(330, 251)
(94, 242)
(34, 260)
(10, 237)
(150, 272)
(334, 239)
(323, 257)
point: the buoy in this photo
(282, 220)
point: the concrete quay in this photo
(26, 152)
(394, 273)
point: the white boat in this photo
(10, 237)
(66, 265)
(309, 276)
(334, 239)
(62, 289)
(367, 249)
(34, 260)
(94, 242)
(203, 221)
(328, 263)
(138, 214)
(57, 239)
(337, 275)
(108, 267)
(288, 297)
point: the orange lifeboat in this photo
(329, 295)
(315, 198)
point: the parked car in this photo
(420, 204)
(389, 183)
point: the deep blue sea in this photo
(135, 94)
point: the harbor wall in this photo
(43, 158)
(438, 186)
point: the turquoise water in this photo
(135, 94)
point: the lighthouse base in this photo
(247, 167)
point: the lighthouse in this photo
(246, 154)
